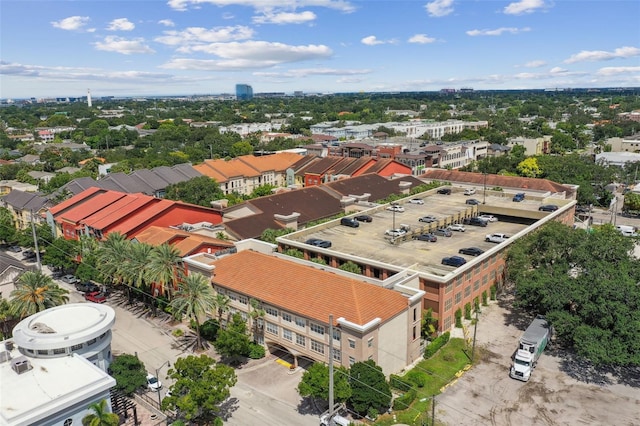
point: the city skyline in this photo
(183, 47)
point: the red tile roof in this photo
(306, 291)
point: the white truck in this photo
(496, 238)
(530, 347)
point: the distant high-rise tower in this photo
(89, 98)
(244, 92)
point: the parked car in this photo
(548, 208)
(395, 208)
(488, 217)
(348, 221)
(444, 191)
(95, 297)
(416, 201)
(153, 383)
(472, 201)
(496, 238)
(398, 232)
(318, 242)
(518, 197)
(458, 227)
(443, 232)
(469, 191)
(471, 251)
(27, 254)
(426, 237)
(87, 287)
(15, 249)
(69, 279)
(475, 221)
(427, 219)
(364, 218)
(454, 261)
(583, 209)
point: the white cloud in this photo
(558, 70)
(265, 5)
(523, 6)
(121, 24)
(306, 72)
(123, 45)
(535, 64)
(371, 41)
(421, 39)
(71, 23)
(248, 55)
(607, 71)
(167, 22)
(76, 73)
(194, 36)
(601, 55)
(439, 8)
(497, 31)
(285, 18)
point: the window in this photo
(447, 304)
(415, 314)
(467, 291)
(485, 280)
(286, 317)
(59, 351)
(300, 340)
(352, 343)
(317, 347)
(76, 347)
(287, 334)
(43, 352)
(337, 355)
(476, 285)
(317, 328)
(449, 287)
(447, 323)
(243, 299)
(352, 361)
(458, 297)
(336, 335)
(272, 328)
(370, 342)
(300, 322)
(414, 332)
(232, 296)
(272, 311)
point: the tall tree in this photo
(233, 341)
(315, 383)
(256, 313)
(129, 372)
(7, 226)
(100, 416)
(369, 388)
(201, 385)
(165, 268)
(201, 191)
(194, 298)
(36, 292)
(222, 305)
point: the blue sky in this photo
(155, 47)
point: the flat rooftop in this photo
(369, 241)
(52, 385)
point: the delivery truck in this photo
(530, 347)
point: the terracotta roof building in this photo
(369, 322)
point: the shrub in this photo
(436, 344)
(458, 318)
(484, 298)
(256, 351)
(400, 383)
(177, 332)
(403, 402)
(476, 304)
(209, 330)
(418, 378)
(467, 311)
(372, 413)
(493, 292)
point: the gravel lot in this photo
(560, 391)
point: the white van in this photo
(335, 421)
(627, 230)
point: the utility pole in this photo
(35, 243)
(433, 410)
(330, 369)
(475, 329)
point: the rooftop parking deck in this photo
(369, 241)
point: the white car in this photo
(395, 232)
(456, 227)
(496, 238)
(488, 217)
(395, 208)
(469, 191)
(416, 201)
(153, 383)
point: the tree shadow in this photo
(309, 405)
(227, 408)
(513, 315)
(585, 371)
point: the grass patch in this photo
(440, 369)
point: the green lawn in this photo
(440, 369)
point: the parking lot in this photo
(561, 391)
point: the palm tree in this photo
(255, 314)
(165, 268)
(36, 292)
(222, 305)
(194, 298)
(112, 255)
(100, 416)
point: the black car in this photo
(15, 249)
(471, 251)
(29, 254)
(472, 201)
(318, 242)
(475, 221)
(364, 218)
(347, 221)
(426, 237)
(583, 209)
(454, 261)
(548, 208)
(87, 287)
(444, 191)
(518, 197)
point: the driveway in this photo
(561, 391)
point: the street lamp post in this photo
(168, 364)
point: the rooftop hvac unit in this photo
(5, 356)
(21, 365)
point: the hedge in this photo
(400, 383)
(436, 344)
(403, 402)
(418, 378)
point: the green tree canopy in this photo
(315, 383)
(586, 283)
(129, 372)
(7, 226)
(234, 341)
(100, 415)
(61, 253)
(35, 292)
(369, 388)
(201, 191)
(200, 386)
